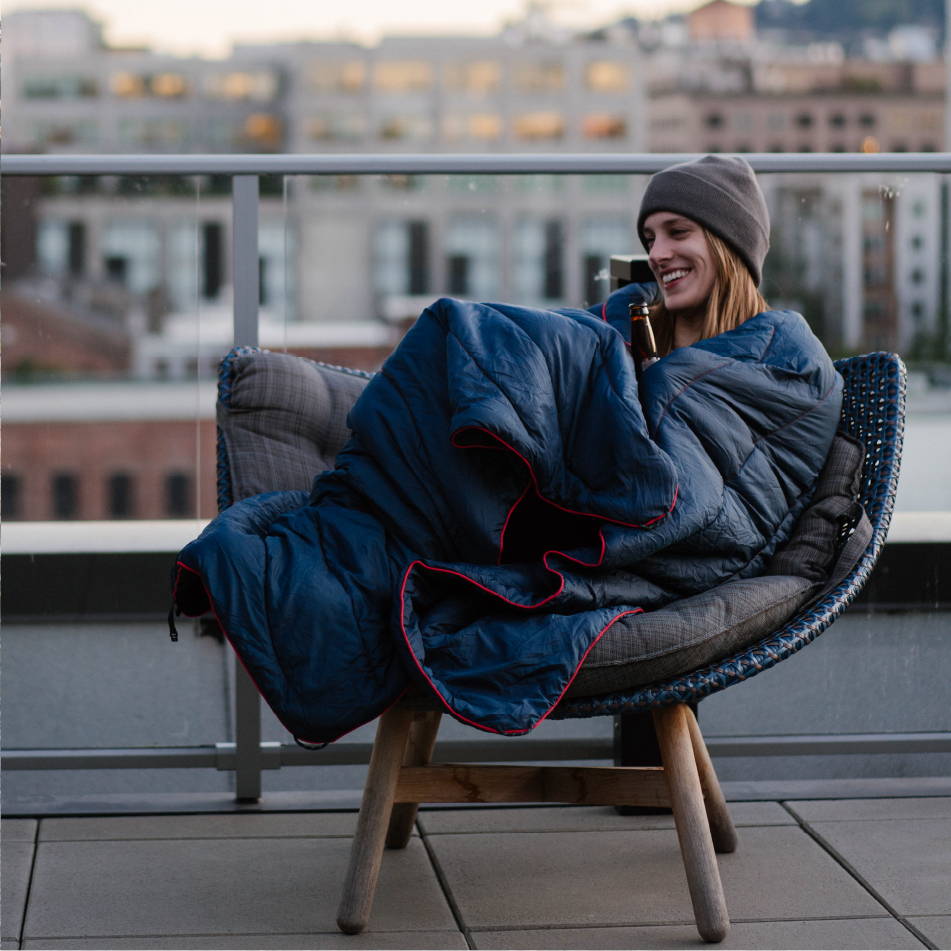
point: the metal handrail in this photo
(515, 163)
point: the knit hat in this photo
(721, 193)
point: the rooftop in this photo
(847, 873)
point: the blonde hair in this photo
(733, 298)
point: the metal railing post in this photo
(245, 277)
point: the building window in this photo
(65, 495)
(804, 120)
(472, 257)
(406, 127)
(837, 120)
(917, 276)
(476, 76)
(348, 76)
(11, 500)
(540, 76)
(917, 242)
(867, 120)
(169, 85)
(344, 127)
(713, 120)
(262, 130)
(120, 489)
(403, 75)
(540, 125)
(607, 76)
(604, 127)
(401, 258)
(485, 125)
(178, 495)
(537, 266)
(257, 86)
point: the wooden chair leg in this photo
(367, 850)
(721, 823)
(419, 751)
(690, 818)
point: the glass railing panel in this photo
(346, 263)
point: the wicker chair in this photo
(401, 774)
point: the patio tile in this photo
(237, 825)
(906, 861)
(858, 933)
(937, 928)
(219, 887)
(290, 942)
(822, 810)
(624, 878)
(17, 830)
(14, 884)
(579, 819)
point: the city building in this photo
(133, 276)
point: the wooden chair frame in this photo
(401, 776)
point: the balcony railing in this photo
(247, 755)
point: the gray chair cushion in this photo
(829, 537)
(284, 421)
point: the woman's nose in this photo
(659, 252)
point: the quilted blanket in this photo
(511, 490)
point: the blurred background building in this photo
(104, 277)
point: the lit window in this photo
(258, 86)
(540, 125)
(128, 85)
(403, 75)
(540, 76)
(605, 76)
(477, 76)
(339, 77)
(169, 85)
(485, 126)
(263, 130)
(604, 127)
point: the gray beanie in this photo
(721, 193)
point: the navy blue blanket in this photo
(511, 491)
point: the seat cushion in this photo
(692, 632)
(282, 420)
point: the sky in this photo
(210, 27)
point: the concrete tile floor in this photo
(836, 874)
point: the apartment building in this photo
(345, 261)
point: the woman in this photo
(511, 491)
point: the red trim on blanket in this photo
(211, 604)
(564, 508)
(511, 512)
(495, 594)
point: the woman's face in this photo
(680, 257)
